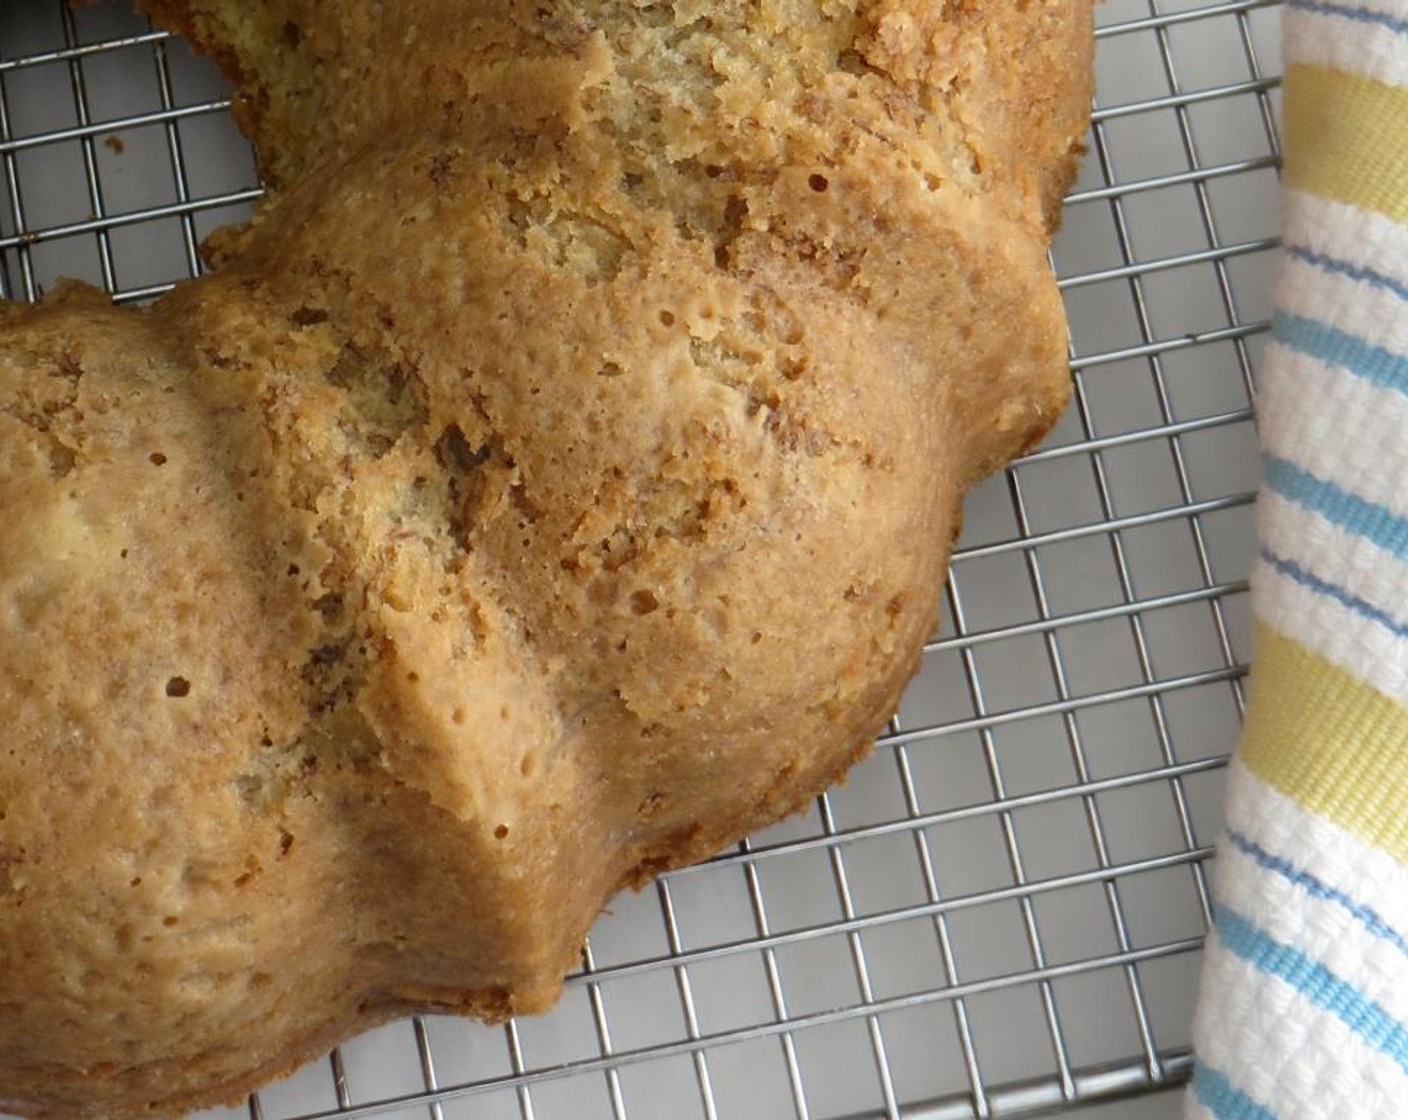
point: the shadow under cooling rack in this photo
(1000, 913)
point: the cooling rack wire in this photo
(1000, 914)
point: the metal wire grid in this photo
(1000, 914)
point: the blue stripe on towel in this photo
(1375, 1026)
(1359, 15)
(1338, 267)
(1317, 887)
(1291, 570)
(1336, 348)
(1214, 1090)
(1363, 518)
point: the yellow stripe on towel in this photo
(1347, 139)
(1330, 741)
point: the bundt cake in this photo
(553, 482)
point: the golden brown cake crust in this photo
(551, 485)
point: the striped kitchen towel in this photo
(1304, 1004)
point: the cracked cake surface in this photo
(552, 483)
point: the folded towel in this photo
(1304, 1004)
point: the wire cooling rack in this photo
(1000, 913)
